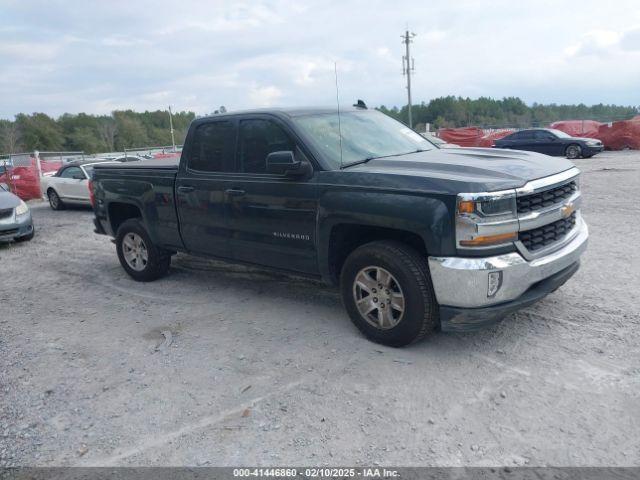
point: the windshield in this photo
(365, 135)
(559, 133)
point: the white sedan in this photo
(69, 185)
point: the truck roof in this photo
(288, 111)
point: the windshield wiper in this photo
(365, 160)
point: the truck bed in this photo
(148, 186)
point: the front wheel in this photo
(140, 258)
(54, 200)
(573, 151)
(387, 291)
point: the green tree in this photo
(9, 137)
(130, 131)
(40, 132)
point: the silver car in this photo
(15, 217)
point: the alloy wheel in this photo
(135, 251)
(379, 297)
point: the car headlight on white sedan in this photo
(22, 209)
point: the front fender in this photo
(427, 216)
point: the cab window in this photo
(213, 147)
(259, 138)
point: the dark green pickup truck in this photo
(417, 238)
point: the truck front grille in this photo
(6, 213)
(548, 198)
(548, 234)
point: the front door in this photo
(72, 184)
(272, 218)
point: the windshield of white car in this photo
(365, 135)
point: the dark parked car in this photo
(15, 217)
(551, 142)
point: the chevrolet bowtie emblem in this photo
(567, 210)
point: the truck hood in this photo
(456, 170)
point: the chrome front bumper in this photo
(463, 282)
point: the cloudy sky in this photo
(74, 56)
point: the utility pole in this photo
(408, 66)
(173, 139)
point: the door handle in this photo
(232, 192)
(185, 189)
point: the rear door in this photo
(272, 218)
(510, 141)
(203, 177)
(527, 141)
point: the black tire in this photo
(158, 259)
(27, 238)
(410, 270)
(54, 200)
(573, 151)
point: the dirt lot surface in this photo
(263, 369)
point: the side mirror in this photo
(285, 163)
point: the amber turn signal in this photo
(489, 240)
(466, 206)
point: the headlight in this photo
(593, 143)
(22, 209)
(486, 219)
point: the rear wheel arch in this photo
(120, 212)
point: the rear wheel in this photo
(387, 291)
(54, 200)
(573, 151)
(140, 258)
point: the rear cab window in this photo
(213, 147)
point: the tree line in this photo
(91, 133)
(508, 112)
(128, 129)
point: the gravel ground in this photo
(267, 370)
